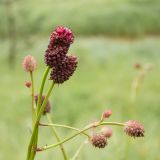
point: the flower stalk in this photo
(57, 137)
(34, 136)
(32, 94)
(62, 66)
(78, 133)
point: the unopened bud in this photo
(29, 63)
(107, 132)
(107, 114)
(28, 84)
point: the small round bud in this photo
(99, 140)
(107, 114)
(28, 84)
(137, 66)
(134, 129)
(107, 132)
(29, 63)
(47, 108)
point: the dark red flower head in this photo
(58, 46)
(134, 129)
(55, 57)
(64, 71)
(47, 108)
(62, 36)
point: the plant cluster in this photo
(60, 66)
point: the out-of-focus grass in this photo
(111, 17)
(103, 80)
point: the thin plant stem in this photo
(34, 136)
(41, 89)
(57, 137)
(32, 94)
(37, 110)
(64, 126)
(78, 151)
(83, 130)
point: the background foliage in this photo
(111, 36)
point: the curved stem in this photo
(112, 123)
(57, 137)
(64, 126)
(83, 130)
(32, 94)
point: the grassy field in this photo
(98, 17)
(103, 80)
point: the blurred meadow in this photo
(110, 36)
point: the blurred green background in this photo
(110, 36)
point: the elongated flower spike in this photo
(62, 36)
(60, 41)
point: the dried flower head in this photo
(29, 63)
(134, 129)
(62, 36)
(28, 84)
(99, 140)
(47, 108)
(107, 114)
(65, 70)
(107, 132)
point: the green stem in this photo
(78, 151)
(112, 123)
(41, 89)
(64, 126)
(34, 138)
(83, 130)
(32, 94)
(34, 135)
(57, 138)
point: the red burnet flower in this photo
(54, 57)
(61, 36)
(65, 70)
(28, 84)
(99, 140)
(29, 63)
(107, 132)
(47, 108)
(60, 40)
(134, 129)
